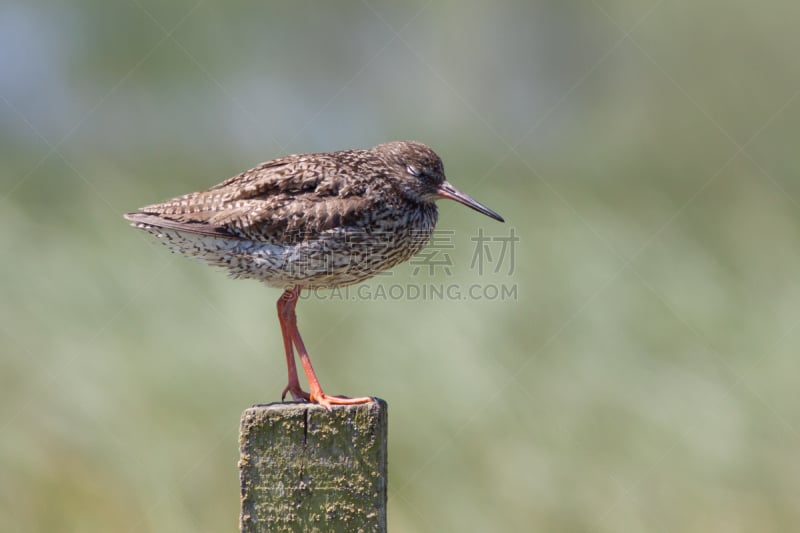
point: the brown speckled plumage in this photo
(319, 220)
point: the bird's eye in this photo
(414, 171)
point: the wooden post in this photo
(304, 468)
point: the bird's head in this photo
(421, 175)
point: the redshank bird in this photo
(311, 221)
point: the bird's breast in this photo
(345, 255)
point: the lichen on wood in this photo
(304, 468)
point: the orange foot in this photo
(327, 401)
(298, 394)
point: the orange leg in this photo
(286, 314)
(289, 327)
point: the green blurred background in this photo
(644, 379)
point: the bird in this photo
(311, 221)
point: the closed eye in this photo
(414, 171)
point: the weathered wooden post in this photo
(304, 468)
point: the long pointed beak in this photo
(448, 191)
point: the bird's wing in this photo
(302, 195)
(144, 220)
